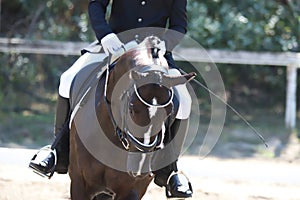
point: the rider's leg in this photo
(177, 185)
(60, 144)
(62, 130)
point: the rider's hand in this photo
(112, 44)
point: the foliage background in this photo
(29, 82)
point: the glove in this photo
(112, 44)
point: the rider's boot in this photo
(177, 184)
(56, 157)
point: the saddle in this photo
(89, 76)
(84, 81)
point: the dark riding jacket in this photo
(131, 14)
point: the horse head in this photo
(141, 93)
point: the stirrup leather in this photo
(35, 159)
(168, 192)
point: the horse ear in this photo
(171, 81)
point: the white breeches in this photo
(67, 77)
(184, 98)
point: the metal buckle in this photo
(122, 138)
(125, 143)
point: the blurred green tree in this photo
(252, 25)
(249, 25)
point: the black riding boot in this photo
(57, 156)
(62, 136)
(177, 185)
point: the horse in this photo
(126, 100)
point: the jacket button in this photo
(140, 19)
(143, 3)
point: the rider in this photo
(125, 15)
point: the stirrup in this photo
(168, 192)
(46, 149)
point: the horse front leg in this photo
(78, 191)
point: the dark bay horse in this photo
(131, 104)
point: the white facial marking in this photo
(153, 109)
(141, 163)
(163, 130)
(147, 135)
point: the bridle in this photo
(127, 138)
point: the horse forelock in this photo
(142, 55)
